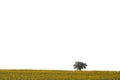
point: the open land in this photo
(58, 75)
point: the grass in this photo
(58, 75)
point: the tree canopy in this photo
(80, 65)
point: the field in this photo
(58, 75)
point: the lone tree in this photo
(80, 65)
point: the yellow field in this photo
(58, 75)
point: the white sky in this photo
(53, 34)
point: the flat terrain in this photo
(58, 75)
